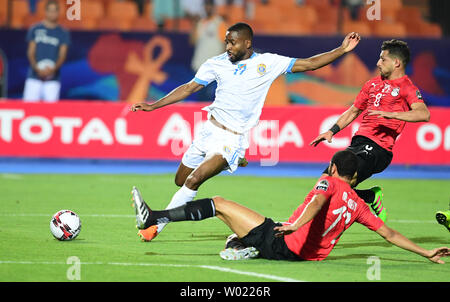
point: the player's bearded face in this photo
(385, 64)
(236, 46)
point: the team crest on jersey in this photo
(226, 149)
(395, 91)
(261, 69)
(322, 185)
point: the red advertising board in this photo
(109, 130)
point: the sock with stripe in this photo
(193, 210)
(181, 197)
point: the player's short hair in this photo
(398, 49)
(346, 163)
(242, 28)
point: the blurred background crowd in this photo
(129, 50)
(402, 18)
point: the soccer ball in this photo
(65, 225)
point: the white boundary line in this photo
(11, 176)
(209, 267)
(50, 215)
(132, 216)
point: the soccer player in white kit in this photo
(243, 79)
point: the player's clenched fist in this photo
(141, 107)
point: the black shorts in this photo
(372, 158)
(270, 247)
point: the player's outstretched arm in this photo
(401, 241)
(176, 95)
(343, 121)
(310, 211)
(418, 113)
(320, 60)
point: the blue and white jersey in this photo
(241, 87)
(48, 41)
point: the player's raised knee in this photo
(193, 181)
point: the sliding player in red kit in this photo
(388, 102)
(311, 232)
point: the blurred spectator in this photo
(33, 4)
(354, 6)
(207, 36)
(48, 43)
(439, 10)
(166, 9)
(140, 5)
(193, 9)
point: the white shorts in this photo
(214, 140)
(36, 90)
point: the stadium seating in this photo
(20, 9)
(143, 24)
(361, 27)
(285, 17)
(122, 13)
(382, 29)
(180, 24)
(327, 20)
(3, 12)
(91, 12)
(234, 13)
(40, 8)
(415, 24)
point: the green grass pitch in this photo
(109, 249)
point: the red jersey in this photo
(385, 95)
(316, 239)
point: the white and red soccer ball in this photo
(65, 225)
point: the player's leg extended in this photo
(211, 166)
(371, 161)
(241, 220)
(182, 174)
(180, 177)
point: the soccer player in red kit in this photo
(312, 231)
(387, 102)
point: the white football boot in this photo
(140, 207)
